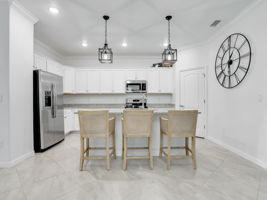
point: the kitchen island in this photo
(159, 111)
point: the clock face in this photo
(233, 60)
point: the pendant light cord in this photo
(106, 41)
(169, 33)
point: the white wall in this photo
(16, 55)
(21, 84)
(237, 117)
(4, 81)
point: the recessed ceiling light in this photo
(124, 44)
(54, 10)
(84, 44)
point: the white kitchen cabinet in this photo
(153, 81)
(54, 67)
(81, 81)
(166, 81)
(141, 75)
(68, 121)
(93, 82)
(119, 82)
(130, 75)
(106, 84)
(39, 62)
(69, 80)
(76, 121)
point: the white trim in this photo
(239, 152)
(14, 162)
(23, 11)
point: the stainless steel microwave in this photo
(136, 86)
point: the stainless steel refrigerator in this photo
(48, 110)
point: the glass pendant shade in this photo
(105, 54)
(169, 55)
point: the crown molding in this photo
(16, 5)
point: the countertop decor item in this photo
(105, 54)
(233, 60)
(169, 55)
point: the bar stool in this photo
(96, 124)
(180, 124)
(137, 124)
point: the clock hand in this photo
(245, 55)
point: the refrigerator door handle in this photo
(53, 101)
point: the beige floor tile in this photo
(16, 194)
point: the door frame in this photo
(205, 93)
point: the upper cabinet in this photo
(55, 68)
(153, 81)
(113, 81)
(39, 62)
(106, 84)
(166, 81)
(81, 83)
(93, 81)
(119, 81)
(69, 80)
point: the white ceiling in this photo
(140, 22)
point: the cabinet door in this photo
(106, 84)
(118, 82)
(153, 81)
(54, 67)
(76, 122)
(93, 81)
(166, 81)
(141, 75)
(81, 84)
(40, 62)
(130, 75)
(69, 80)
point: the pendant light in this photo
(105, 54)
(169, 55)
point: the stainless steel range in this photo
(136, 103)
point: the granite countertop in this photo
(118, 108)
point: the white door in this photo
(192, 95)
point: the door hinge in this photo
(204, 75)
(204, 101)
(204, 127)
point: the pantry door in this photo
(192, 95)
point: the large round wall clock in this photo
(233, 60)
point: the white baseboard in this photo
(12, 163)
(238, 152)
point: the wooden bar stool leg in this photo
(169, 153)
(87, 146)
(161, 144)
(186, 146)
(125, 153)
(194, 152)
(81, 153)
(114, 146)
(150, 152)
(107, 153)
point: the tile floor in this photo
(221, 175)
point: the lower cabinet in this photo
(68, 121)
(76, 121)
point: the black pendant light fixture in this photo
(169, 55)
(105, 54)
